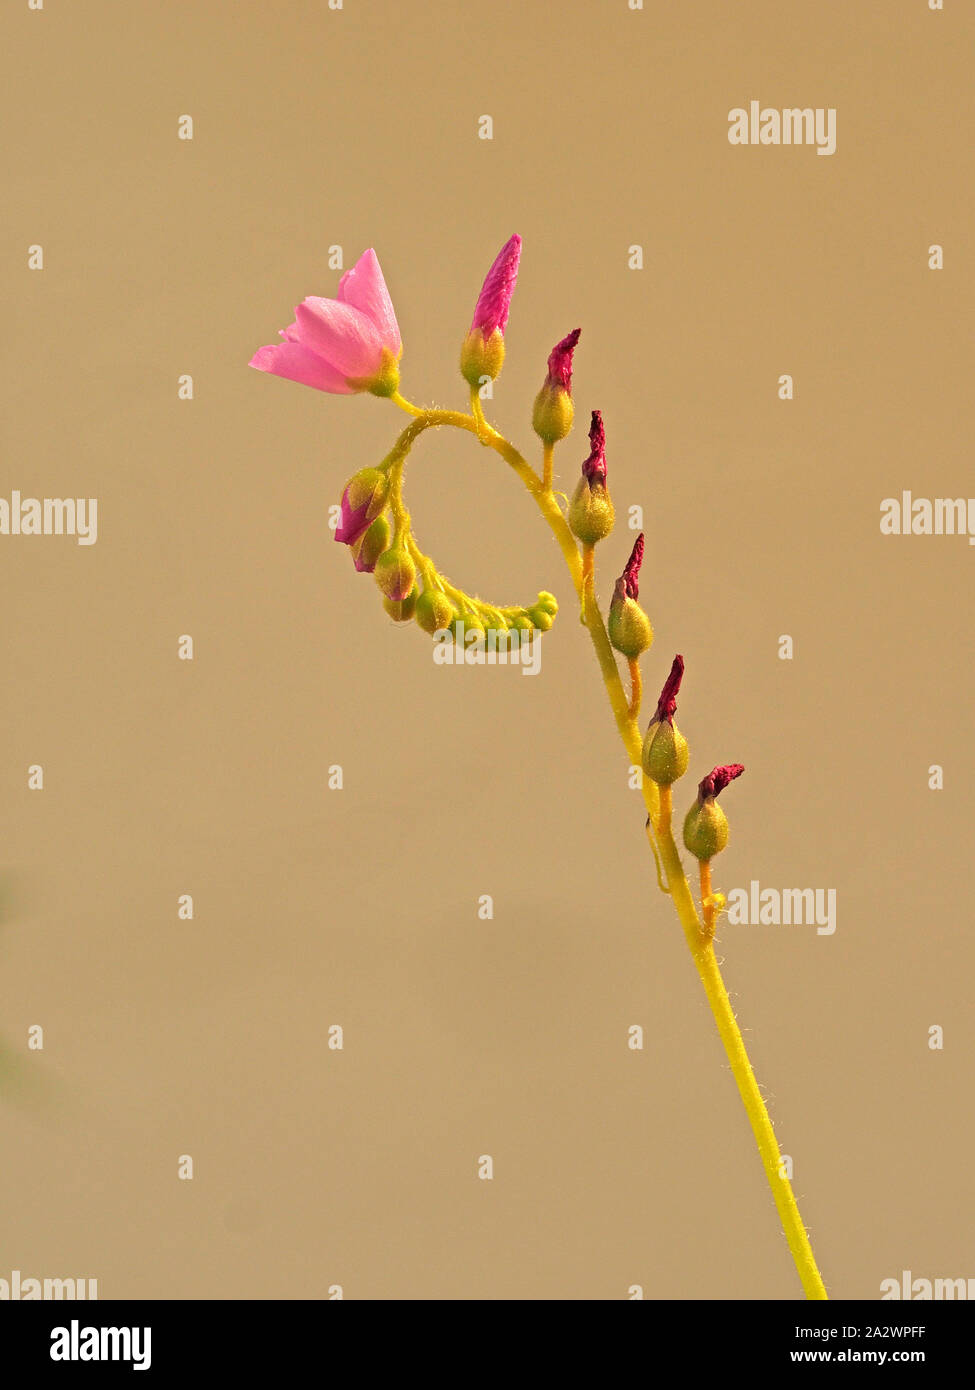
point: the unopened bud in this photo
(665, 751)
(401, 611)
(591, 513)
(434, 611)
(553, 410)
(395, 573)
(362, 501)
(706, 825)
(629, 627)
(482, 354)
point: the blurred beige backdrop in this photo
(162, 1037)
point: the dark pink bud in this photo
(354, 522)
(667, 704)
(594, 468)
(716, 781)
(630, 578)
(494, 301)
(560, 361)
(363, 499)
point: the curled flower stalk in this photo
(352, 344)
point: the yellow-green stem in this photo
(660, 834)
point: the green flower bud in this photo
(706, 825)
(705, 829)
(401, 611)
(591, 513)
(370, 545)
(541, 618)
(481, 357)
(665, 747)
(628, 626)
(434, 611)
(665, 753)
(552, 414)
(395, 573)
(548, 603)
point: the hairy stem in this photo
(659, 829)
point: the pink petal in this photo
(365, 289)
(295, 362)
(494, 301)
(343, 335)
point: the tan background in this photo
(358, 907)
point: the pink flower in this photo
(494, 301)
(341, 345)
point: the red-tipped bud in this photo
(628, 626)
(706, 825)
(553, 412)
(591, 514)
(665, 751)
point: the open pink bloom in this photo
(351, 343)
(494, 301)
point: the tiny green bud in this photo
(548, 603)
(395, 573)
(401, 611)
(434, 611)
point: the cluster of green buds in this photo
(376, 527)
